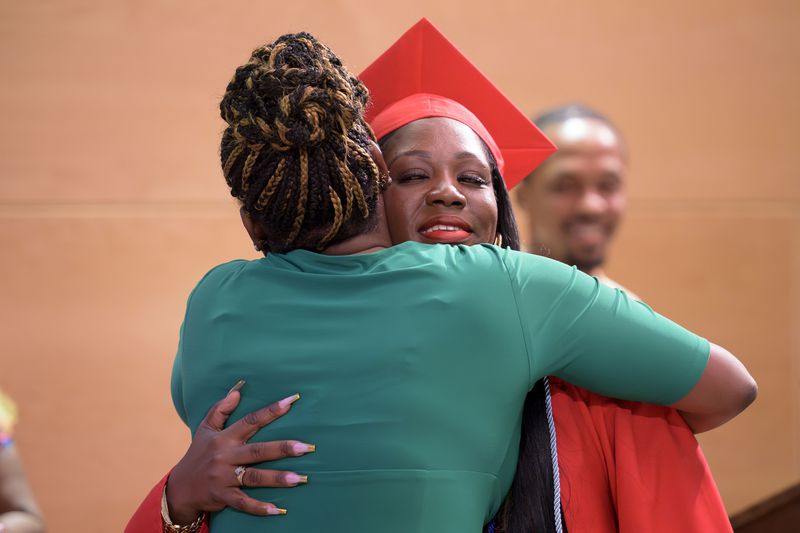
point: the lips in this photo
(587, 234)
(445, 230)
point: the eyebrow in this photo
(427, 155)
(411, 153)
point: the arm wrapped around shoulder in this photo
(596, 337)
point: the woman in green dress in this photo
(398, 350)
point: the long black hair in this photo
(530, 504)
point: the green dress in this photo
(413, 364)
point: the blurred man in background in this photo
(574, 201)
(647, 472)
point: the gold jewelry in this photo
(384, 181)
(498, 240)
(239, 471)
(166, 521)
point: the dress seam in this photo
(528, 353)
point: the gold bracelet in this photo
(166, 521)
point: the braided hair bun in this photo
(296, 149)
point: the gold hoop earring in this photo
(498, 240)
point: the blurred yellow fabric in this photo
(8, 417)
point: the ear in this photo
(255, 231)
(377, 156)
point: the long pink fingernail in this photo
(295, 479)
(271, 509)
(239, 385)
(302, 447)
(286, 402)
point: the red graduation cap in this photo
(424, 75)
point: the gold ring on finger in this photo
(239, 472)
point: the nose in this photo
(445, 192)
(592, 202)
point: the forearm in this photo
(724, 390)
(700, 423)
(181, 511)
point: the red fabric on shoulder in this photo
(629, 467)
(147, 518)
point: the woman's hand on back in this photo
(205, 479)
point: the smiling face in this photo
(441, 184)
(574, 201)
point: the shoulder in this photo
(522, 263)
(215, 279)
(605, 280)
(450, 257)
(220, 274)
(521, 268)
(224, 271)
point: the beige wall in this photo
(112, 204)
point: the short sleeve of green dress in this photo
(594, 336)
(413, 364)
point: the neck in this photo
(540, 249)
(596, 272)
(376, 239)
(360, 244)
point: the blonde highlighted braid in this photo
(296, 149)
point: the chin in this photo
(586, 262)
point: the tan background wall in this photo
(112, 204)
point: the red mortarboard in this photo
(423, 75)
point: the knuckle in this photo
(239, 502)
(257, 451)
(218, 456)
(251, 419)
(286, 448)
(280, 479)
(211, 412)
(252, 477)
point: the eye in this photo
(565, 186)
(411, 175)
(609, 186)
(473, 179)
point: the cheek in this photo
(399, 205)
(616, 205)
(485, 211)
(556, 208)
